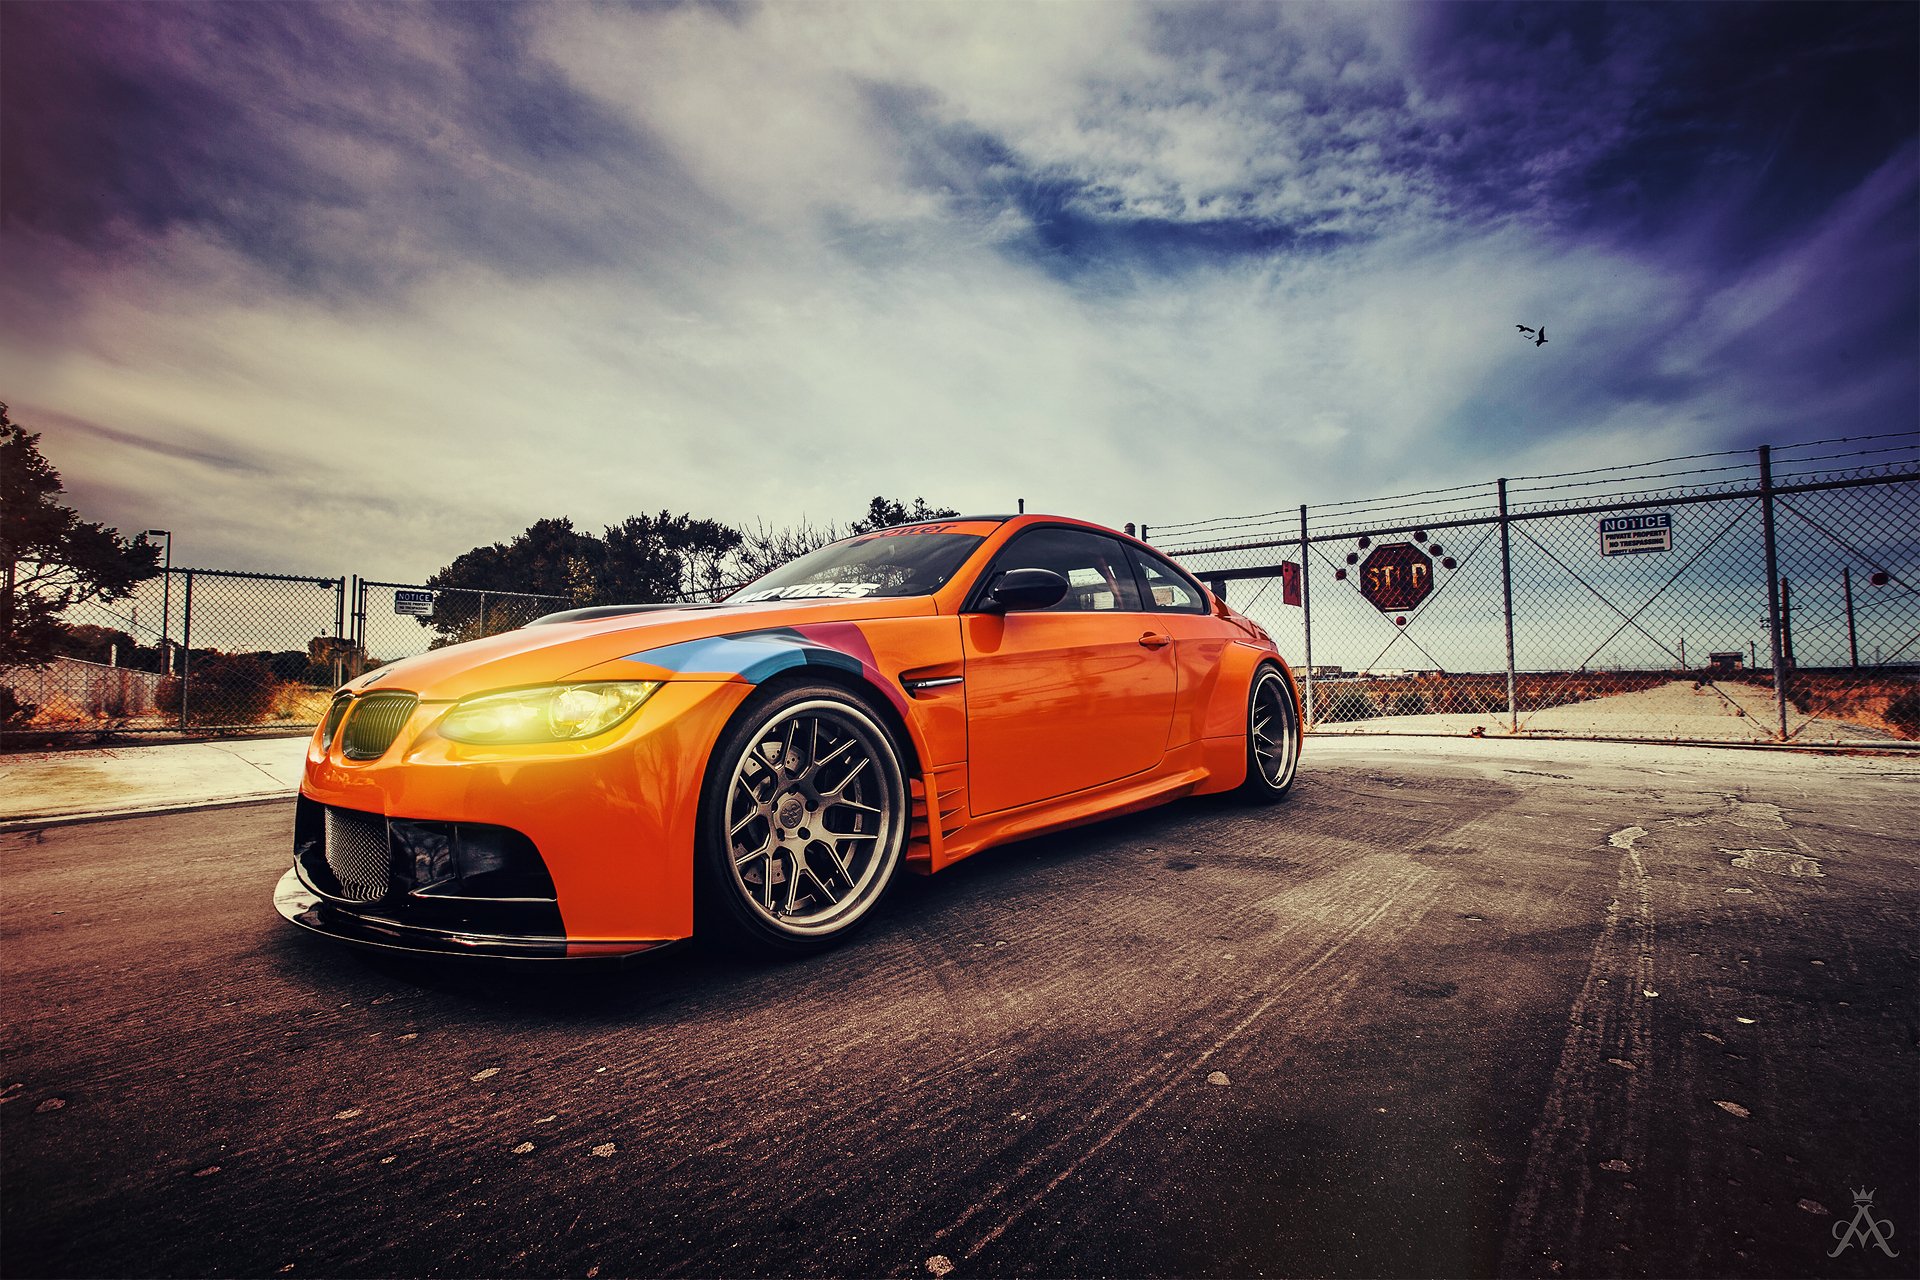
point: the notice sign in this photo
(1631, 535)
(417, 603)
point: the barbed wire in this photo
(1811, 444)
(1622, 481)
(1676, 476)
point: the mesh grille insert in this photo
(357, 854)
(374, 723)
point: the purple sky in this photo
(339, 289)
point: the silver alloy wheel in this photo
(1276, 745)
(816, 817)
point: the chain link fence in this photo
(211, 650)
(1728, 597)
(1765, 597)
(394, 620)
(190, 650)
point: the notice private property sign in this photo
(1632, 535)
(417, 603)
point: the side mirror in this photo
(1018, 589)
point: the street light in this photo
(166, 599)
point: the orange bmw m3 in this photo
(605, 781)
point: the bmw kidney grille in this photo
(374, 723)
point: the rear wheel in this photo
(803, 821)
(1273, 737)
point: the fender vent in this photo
(373, 724)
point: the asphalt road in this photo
(1494, 1012)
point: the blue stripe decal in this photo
(753, 657)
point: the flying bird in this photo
(1539, 335)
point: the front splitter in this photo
(301, 906)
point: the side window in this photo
(1168, 591)
(1098, 577)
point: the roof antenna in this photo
(1023, 505)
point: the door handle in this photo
(1154, 640)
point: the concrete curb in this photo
(142, 811)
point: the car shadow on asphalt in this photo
(700, 977)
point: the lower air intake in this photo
(358, 854)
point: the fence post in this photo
(166, 612)
(1773, 586)
(186, 650)
(1506, 599)
(1306, 619)
(483, 607)
(359, 627)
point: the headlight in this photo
(554, 713)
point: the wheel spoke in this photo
(853, 773)
(744, 784)
(855, 805)
(831, 753)
(840, 866)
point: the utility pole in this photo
(1853, 644)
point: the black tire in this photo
(804, 817)
(1273, 737)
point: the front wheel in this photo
(803, 821)
(1273, 737)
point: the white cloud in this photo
(777, 312)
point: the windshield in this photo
(909, 561)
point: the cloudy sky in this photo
(336, 288)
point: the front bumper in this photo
(613, 821)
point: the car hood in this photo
(610, 648)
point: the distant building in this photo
(1726, 663)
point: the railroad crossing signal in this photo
(1396, 576)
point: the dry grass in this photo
(295, 703)
(1447, 693)
(1888, 703)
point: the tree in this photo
(663, 557)
(883, 513)
(763, 549)
(549, 558)
(54, 560)
(107, 645)
(641, 560)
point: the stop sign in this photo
(1395, 576)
